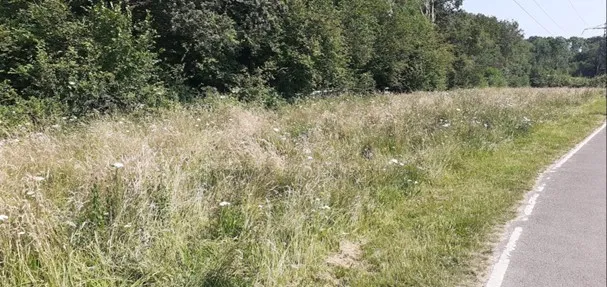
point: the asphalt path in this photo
(560, 236)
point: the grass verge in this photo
(399, 190)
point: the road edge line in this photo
(500, 264)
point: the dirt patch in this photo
(349, 255)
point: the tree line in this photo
(94, 56)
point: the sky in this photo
(561, 18)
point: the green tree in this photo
(487, 52)
(409, 54)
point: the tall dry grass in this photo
(223, 194)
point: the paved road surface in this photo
(560, 238)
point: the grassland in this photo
(390, 190)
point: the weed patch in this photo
(389, 190)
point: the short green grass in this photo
(400, 190)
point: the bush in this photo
(80, 57)
(99, 62)
(599, 82)
(495, 78)
(564, 80)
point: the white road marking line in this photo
(541, 187)
(499, 270)
(531, 205)
(564, 159)
(532, 201)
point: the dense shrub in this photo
(96, 63)
(599, 81)
(78, 57)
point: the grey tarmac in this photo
(560, 237)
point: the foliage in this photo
(567, 62)
(78, 57)
(97, 63)
(488, 52)
(408, 55)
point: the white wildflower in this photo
(458, 109)
(446, 125)
(3, 217)
(224, 204)
(117, 165)
(127, 226)
(38, 178)
(276, 130)
(198, 119)
(310, 158)
(394, 161)
(325, 207)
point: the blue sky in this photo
(566, 22)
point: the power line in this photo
(577, 13)
(546, 13)
(599, 27)
(529, 14)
